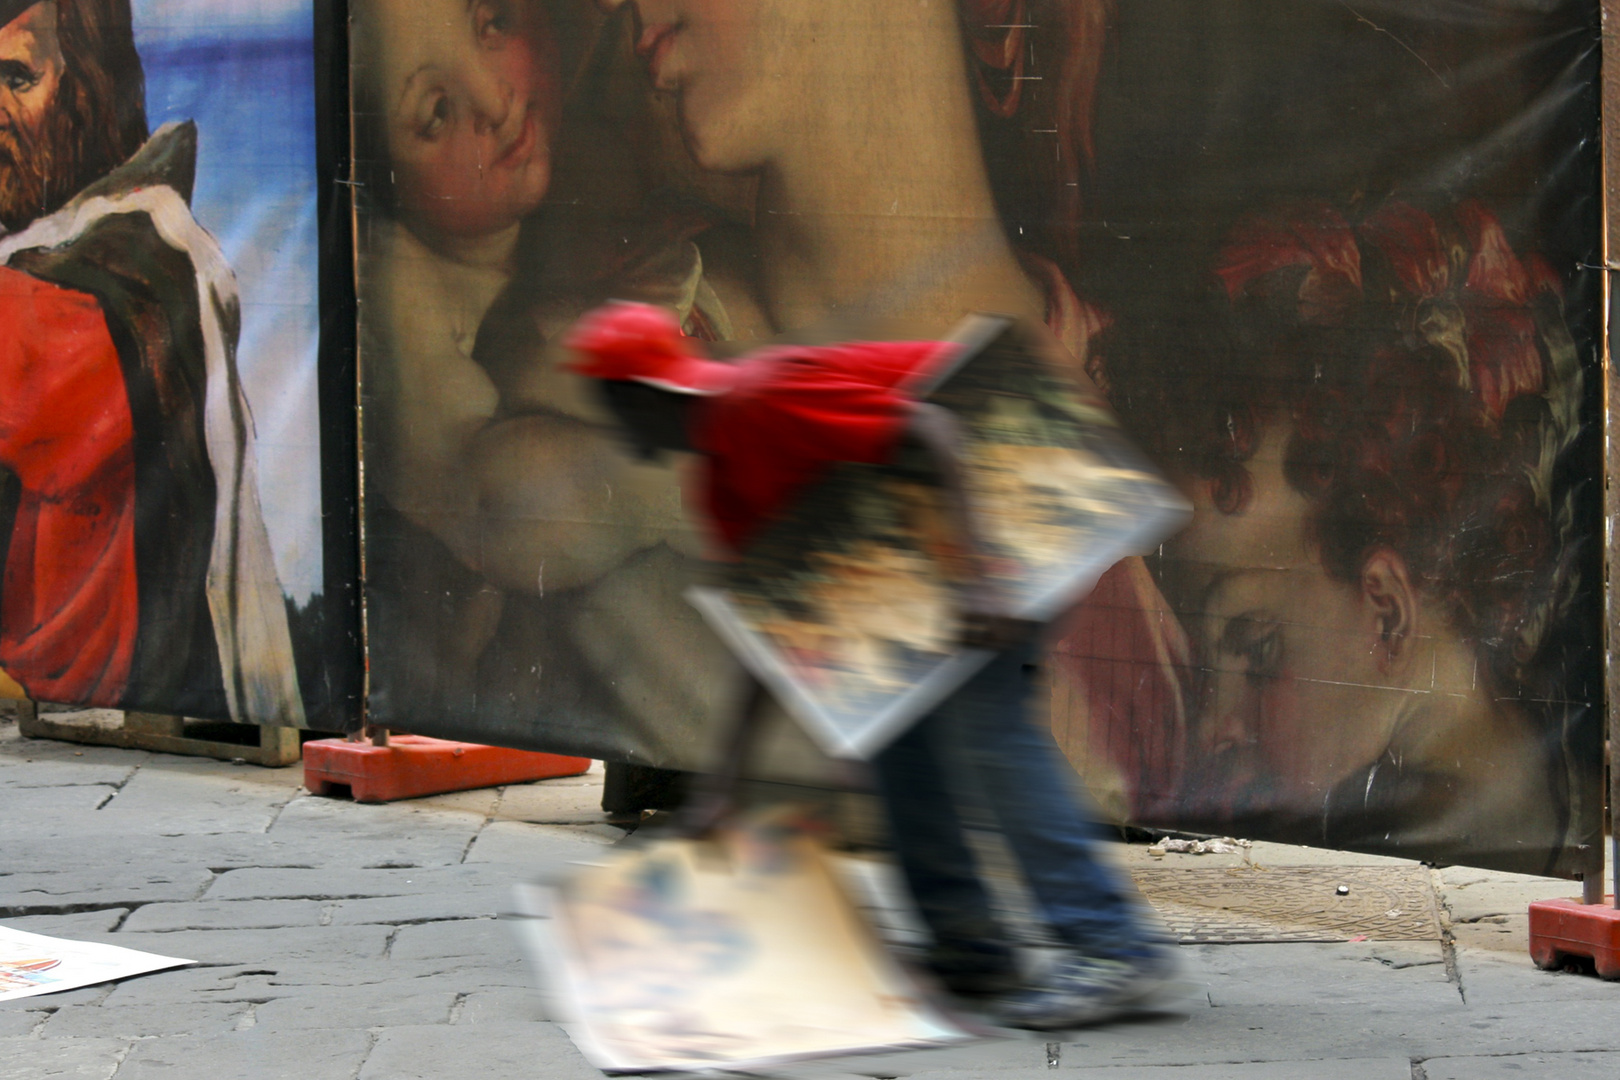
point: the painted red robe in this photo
(69, 607)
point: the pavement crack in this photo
(371, 1044)
(473, 839)
(275, 817)
(44, 1017)
(119, 786)
(1448, 941)
(325, 897)
(119, 1059)
(1418, 1071)
(388, 946)
(1448, 950)
(213, 876)
(22, 911)
(457, 1006)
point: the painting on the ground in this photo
(730, 952)
(1327, 265)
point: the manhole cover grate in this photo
(1246, 904)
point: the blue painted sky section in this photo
(245, 73)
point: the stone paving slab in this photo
(1326, 974)
(255, 1054)
(356, 943)
(219, 851)
(339, 884)
(183, 987)
(61, 1059)
(76, 887)
(266, 949)
(1384, 1068)
(1562, 1066)
(72, 924)
(500, 1050)
(20, 751)
(545, 804)
(503, 1005)
(55, 805)
(486, 946)
(484, 802)
(356, 1008)
(17, 773)
(1491, 980)
(129, 1021)
(180, 800)
(542, 847)
(226, 915)
(15, 1022)
(472, 902)
(363, 834)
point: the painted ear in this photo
(1387, 589)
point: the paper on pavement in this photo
(32, 964)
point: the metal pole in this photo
(1610, 166)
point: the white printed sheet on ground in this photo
(33, 964)
(733, 952)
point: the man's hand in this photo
(987, 623)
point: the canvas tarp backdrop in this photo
(162, 522)
(1331, 263)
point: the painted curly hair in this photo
(1429, 384)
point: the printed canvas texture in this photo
(160, 479)
(1328, 264)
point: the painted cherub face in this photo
(470, 99)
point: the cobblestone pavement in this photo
(345, 942)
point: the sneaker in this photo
(974, 968)
(1082, 990)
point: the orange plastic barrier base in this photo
(1564, 928)
(414, 765)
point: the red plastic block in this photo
(1563, 928)
(414, 765)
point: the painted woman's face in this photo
(471, 100)
(740, 70)
(1295, 694)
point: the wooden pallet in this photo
(168, 735)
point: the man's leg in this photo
(1047, 821)
(1117, 959)
(969, 951)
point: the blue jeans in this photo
(983, 743)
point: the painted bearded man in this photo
(137, 570)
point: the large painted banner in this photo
(160, 450)
(1330, 263)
